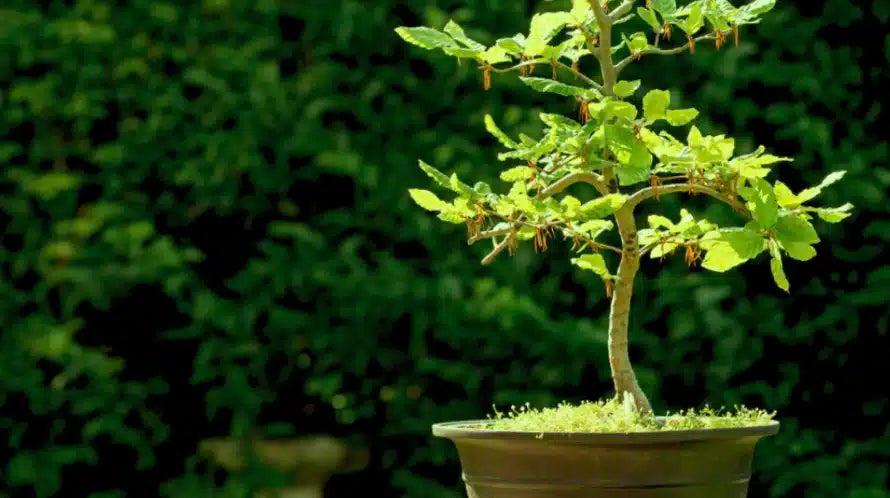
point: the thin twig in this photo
(659, 51)
(649, 192)
(581, 75)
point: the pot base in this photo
(714, 463)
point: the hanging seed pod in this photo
(523, 70)
(486, 77)
(655, 182)
(575, 69)
(691, 44)
(608, 283)
(735, 33)
(667, 30)
(719, 39)
(584, 112)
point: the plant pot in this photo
(710, 463)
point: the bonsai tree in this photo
(622, 147)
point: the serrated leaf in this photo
(624, 89)
(544, 27)
(547, 85)
(427, 200)
(456, 32)
(800, 251)
(437, 176)
(650, 18)
(655, 103)
(426, 37)
(680, 117)
(499, 134)
(601, 207)
(791, 228)
(517, 174)
(593, 262)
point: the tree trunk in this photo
(619, 360)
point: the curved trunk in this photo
(619, 360)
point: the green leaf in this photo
(426, 37)
(761, 196)
(594, 263)
(832, 215)
(543, 28)
(601, 207)
(680, 117)
(746, 243)
(792, 228)
(720, 256)
(513, 45)
(502, 137)
(637, 42)
(635, 158)
(775, 265)
(580, 11)
(657, 220)
(810, 193)
(436, 175)
(495, 55)
(758, 7)
(799, 250)
(665, 7)
(694, 21)
(593, 228)
(427, 200)
(650, 18)
(547, 85)
(624, 89)
(456, 32)
(620, 109)
(655, 103)
(517, 174)
(784, 196)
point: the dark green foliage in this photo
(205, 213)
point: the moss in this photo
(613, 416)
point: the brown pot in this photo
(710, 463)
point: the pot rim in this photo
(462, 430)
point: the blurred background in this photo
(207, 234)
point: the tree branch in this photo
(565, 182)
(649, 192)
(658, 51)
(581, 75)
(604, 52)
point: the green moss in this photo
(613, 416)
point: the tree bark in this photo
(623, 376)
